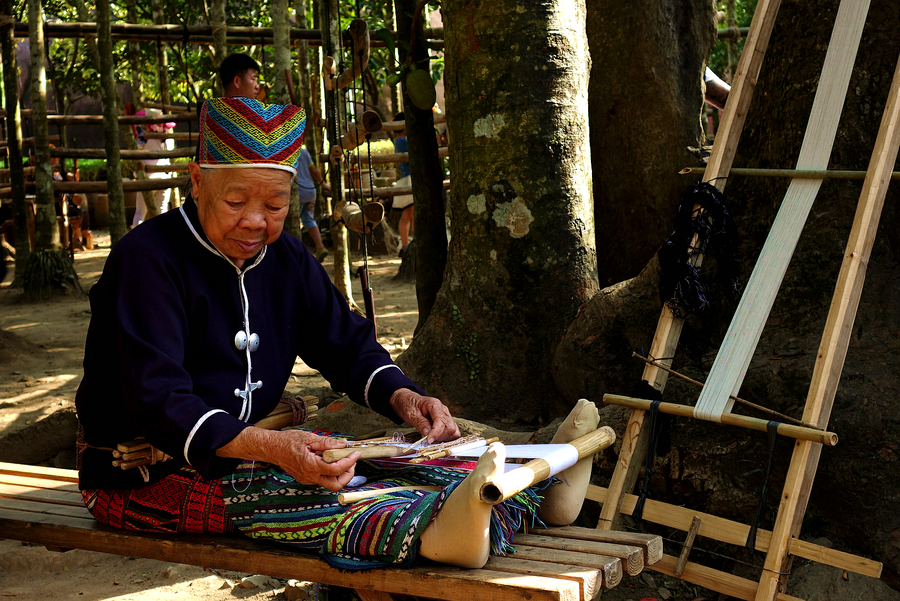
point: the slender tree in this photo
(220, 30)
(430, 247)
(162, 58)
(522, 257)
(117, 227)
(14, 137)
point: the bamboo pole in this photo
(789, 173)
(127, 155)
(386, 192)
(395, 157)
(122, 119)
(515, 481)
(799, 422)
(730, 419)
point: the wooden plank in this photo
(49, 473)
(835, 340)
(39, 483)
(735, 533)
(590, 580)
(632, 557)
(40, 494)
(668, 329)
(27, 507)
(714, 580)
(610, 566)
(244, 555)
(651, 544)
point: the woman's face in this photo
(241, 209)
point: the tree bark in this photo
(719, 469)
(46, 231)
(218, 21)
(117, 227)
(430, 250)
(522, 258)
(14, 137)
(162, 57)
(134, 59)
(646, 103)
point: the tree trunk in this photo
(522, 257)
(162, 57)
(117, 227)
(426, 173)
(330, 31)
(281, 26)
(134, 59)
(646, 102)
(218, 21)
(719, 469)
(14, 138)
(46, 231)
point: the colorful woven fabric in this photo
(244, 132)
(266, 503)
(180, 503)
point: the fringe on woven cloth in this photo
(266, 503)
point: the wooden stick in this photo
(515, 481)
(346, 498)
(378, 452)
(686, 549)
(128, 155)
(731, 419)
(129, 186)
(799, 422)
(396, 157)
(790, 173)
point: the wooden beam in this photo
(735, 533)
(127, 155)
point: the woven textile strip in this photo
(180, 503)
(244, 132)
(266, 503)
(733, 359)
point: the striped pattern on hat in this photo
(244, 132)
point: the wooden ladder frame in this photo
(783, 541)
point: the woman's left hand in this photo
(428, 415)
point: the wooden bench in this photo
(43, 505)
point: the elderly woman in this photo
(196, 324)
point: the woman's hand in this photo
(297, 452)
(428, 415)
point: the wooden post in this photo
(330, 26)
(162, 57)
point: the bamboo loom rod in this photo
(189, 34)
(381, 159)
(751, 423)
(799, 422)
(127, 155)
(347, 498)
(510, 483)
(789, 173)
(386, 192)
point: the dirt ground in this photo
(42, 366)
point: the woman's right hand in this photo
(297, 452)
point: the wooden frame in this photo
(783, 541)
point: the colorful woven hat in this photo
(244, 132)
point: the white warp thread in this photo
(559, 456)
(733, 359)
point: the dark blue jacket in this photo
(161, 361)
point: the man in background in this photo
(240, 76)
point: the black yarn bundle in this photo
(682, 286)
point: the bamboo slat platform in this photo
(43, 505)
